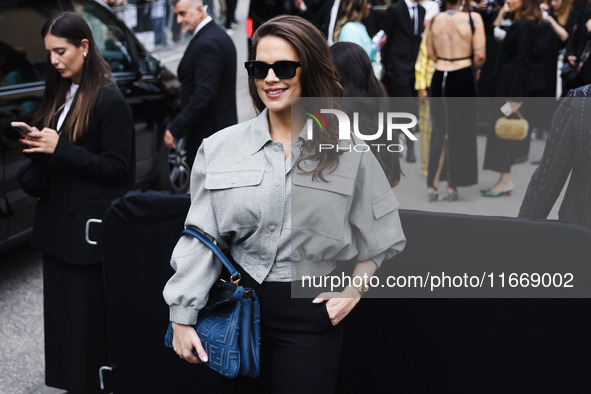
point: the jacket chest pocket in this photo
(236, 195)
(319, 206)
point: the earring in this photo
(84, 54)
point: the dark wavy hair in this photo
(95, 74)
(530, 9)
(358, 80)
(318, 78)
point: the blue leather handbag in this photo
(229, 326)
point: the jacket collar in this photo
(259, 130)
(260, 134)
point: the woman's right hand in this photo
(185, 340)
(572, 60)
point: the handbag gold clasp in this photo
(235, 281)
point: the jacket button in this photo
(276, 148)
(272, 228)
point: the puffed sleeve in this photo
(196, 268)
(374, 219)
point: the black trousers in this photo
(300, 348)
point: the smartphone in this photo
(506, 109)
(22, 126)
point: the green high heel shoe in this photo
(489, 193)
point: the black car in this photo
(150, 89)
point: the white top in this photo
(69, 98)
(333, 20)
(412, 9)
(200, 26)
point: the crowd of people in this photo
(248, 178)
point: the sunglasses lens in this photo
(260, 70)
(284, 69)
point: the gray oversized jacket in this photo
(234, 183)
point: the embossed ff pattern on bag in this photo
(229, 325)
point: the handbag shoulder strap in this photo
(584, 55)
(234, 274)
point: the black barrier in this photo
(473, 345)
(140, 231)
(391, 345)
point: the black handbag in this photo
(229, 325)
(570, 74)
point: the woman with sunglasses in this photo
(284, 208)
(82, 157)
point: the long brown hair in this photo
(318, 78)
(349, 11)
(563, 12)
(95, 74)
(530, 9)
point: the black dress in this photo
(555, 45)
(75, 183)
(512, 82)
(454, 126)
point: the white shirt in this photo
(412, 6)
(200, 25)
(333, 20)
(69, 98)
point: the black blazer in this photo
(79, 180)
(515, 60)
(566, 152)
(208, 87)
(400, 51)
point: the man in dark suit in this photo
(208, 79)
(403, 25)
(566, 153)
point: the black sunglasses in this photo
(283, 69)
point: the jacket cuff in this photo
(175, 129)
(60, 154)
(183, 315)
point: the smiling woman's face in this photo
(277, 93)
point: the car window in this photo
(108, 35)
(22, 54)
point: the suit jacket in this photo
(400, 51)
(207, 73)
(566, 152)
(80, 179)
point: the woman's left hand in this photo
(339, 304)
(43, 141)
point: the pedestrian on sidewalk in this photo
(207, 73)
(403, 24)
(81, 160)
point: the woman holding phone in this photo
(81, 150)
(284, 208)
